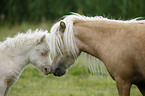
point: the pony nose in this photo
(59, 71)
(47, 70)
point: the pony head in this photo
(63, 46)
(39, 55)
(61, 63)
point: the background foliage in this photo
(37, 10)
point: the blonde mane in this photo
(68, 38)
(68, 42)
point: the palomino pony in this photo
(120, 45)
(18, 52)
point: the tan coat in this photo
(121, 46)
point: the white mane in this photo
(19, 41)
(68, 42)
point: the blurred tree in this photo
(37, 10)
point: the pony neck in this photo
(93, 37)
(17, 50)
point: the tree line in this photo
(38, 10)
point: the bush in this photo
(37, 10)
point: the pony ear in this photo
(62, 26)
(39, 41)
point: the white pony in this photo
(16, 53)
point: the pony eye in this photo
(42, 53)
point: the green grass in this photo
(77, 82)
(33, 83)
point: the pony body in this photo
(118, 44)
(18, 52)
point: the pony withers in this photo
(120, 45)
(18, 52)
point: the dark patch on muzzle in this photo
(59, 71)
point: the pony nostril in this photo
(45, 69)
(58, 70)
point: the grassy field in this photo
(77, 82)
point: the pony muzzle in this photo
(47, 70)
(59, 71)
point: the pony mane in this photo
(68, 42)
(68, 38)
(19, 40)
